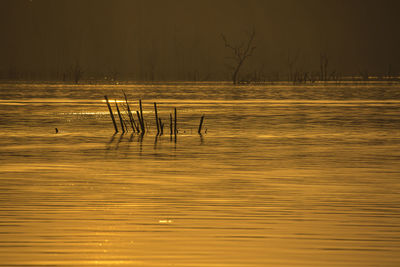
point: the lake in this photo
(282, 175)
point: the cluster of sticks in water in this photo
(139, 125)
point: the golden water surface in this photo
(281, 176)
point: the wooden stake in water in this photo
(201, 124)
(140, 120)
(161, 126)
(175, 125)
(111, 114)
(131, 119)
(156, 115)
(170, 123)
(141, 116)
(120, 117)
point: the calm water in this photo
(284, 176)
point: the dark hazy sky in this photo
(178, 39)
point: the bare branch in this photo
(227, 45)
(240, 52)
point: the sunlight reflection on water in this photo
(284, 176)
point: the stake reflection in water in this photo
(114, 143)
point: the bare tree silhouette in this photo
(323, 66)
(291, 62)
(240, 53)
(77, 72)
